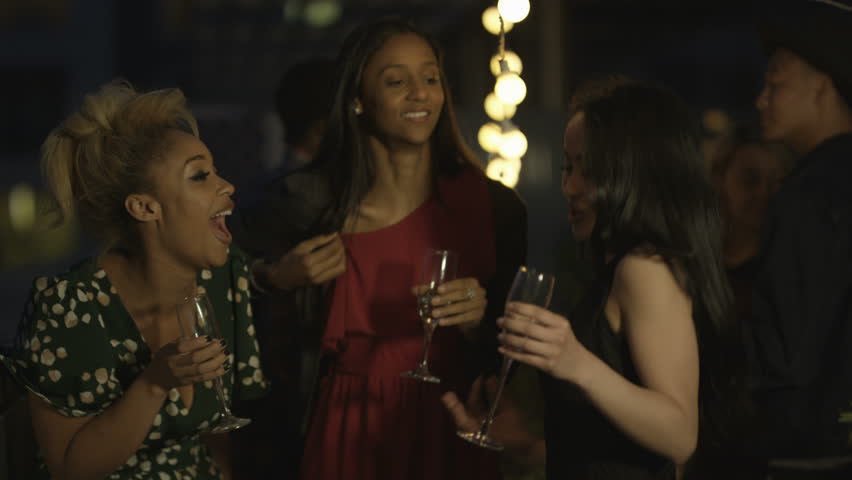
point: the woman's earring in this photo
(357, 108)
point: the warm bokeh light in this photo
(514, 163)
(491, 21)
(503, 140)
(497, 110)
(489, 137)
(513, 144)
(22, 207)
(716, 120)
(514, 10)
(512, 60)
(504, 171)
(510, 88)
(322, 13)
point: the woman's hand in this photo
(459, 302)
(186, 361)
(93, 446)
(542, 339)
(509, 427)
(312, 262)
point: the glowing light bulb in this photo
(513, 62)
(491, 21)
(495, 167)
(514, 10)
(513, 144)
(497, 110)
(489, 137)
(510, 177)
(510, 88)
(503, 171)
(515, 163)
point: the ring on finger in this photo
(470, 294)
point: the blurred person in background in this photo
(800, 329)
(273, 445)
(302, 102)
(746, 171)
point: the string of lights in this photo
(505, 143)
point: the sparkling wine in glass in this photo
(439, 266)
(196, 318)
(529, 286)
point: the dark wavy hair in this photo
(651, 192)
(344, 158)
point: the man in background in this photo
(302, 102)
(799, 337)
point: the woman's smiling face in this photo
(401, 91)
(193, 202)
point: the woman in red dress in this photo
(344, 236)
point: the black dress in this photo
(581, 442)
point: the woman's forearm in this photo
(105, 443)
(652, 419)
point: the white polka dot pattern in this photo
(83, 351)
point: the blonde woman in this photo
(115, 391)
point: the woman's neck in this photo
(148, 282)
(403, 177)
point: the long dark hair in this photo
(344, 158)
(651, 190)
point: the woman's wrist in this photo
(586, 370)
(256, 269)
(151, 387)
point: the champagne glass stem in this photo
(427, 340)
(504, 374)
(220, 394)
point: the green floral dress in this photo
(81, 350)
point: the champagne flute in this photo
(529, 286)
(196, 318)
(439, 266)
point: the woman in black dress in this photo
(636, 377)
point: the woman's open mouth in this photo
(220, 229)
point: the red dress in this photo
(370, 423)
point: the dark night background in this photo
(227, 56)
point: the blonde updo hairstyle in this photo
(103, 152)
